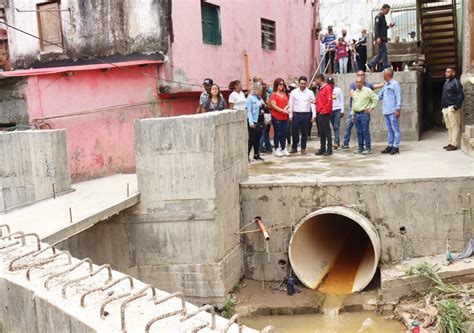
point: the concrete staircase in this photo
(467, 141)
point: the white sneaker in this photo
(278, 152)
(285, 152)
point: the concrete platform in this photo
(395, 283)
(91, 202)
(417, 160)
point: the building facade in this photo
(93, 67)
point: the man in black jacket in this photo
(381, 37)
(451, 102)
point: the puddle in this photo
(328, 323)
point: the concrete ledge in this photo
(396, 284)
(28, 306)
(92, 202)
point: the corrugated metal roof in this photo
(63, 69)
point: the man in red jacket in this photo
(324, 110)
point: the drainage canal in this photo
(335, 250)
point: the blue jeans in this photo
(280, 128)
(347, 129)
(335, 122)
(265, 144)
(300, 121)
(322, 61)
(362, 122)
(393, 130)
(382, 55)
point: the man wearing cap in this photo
(205, 94)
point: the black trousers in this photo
(254, 140)
(330, 57)
(301, 121)
(362, 59)
(325, 134)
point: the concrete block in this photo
(469, 131)
(40, 161)
(189, 169)
(410, 122)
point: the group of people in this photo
(345, 55)
(292, 110)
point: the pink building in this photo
(94, 75)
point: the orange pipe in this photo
(262, 228)
(247, 73)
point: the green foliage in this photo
(228, 310)
(452, 318)
(438, 286)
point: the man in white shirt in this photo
(302, 113)
(337, 110)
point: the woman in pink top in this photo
(342, 56)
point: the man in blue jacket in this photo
(451, 102)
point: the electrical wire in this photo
(96, 58)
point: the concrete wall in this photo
(429, 216)
(27, 306)
(98, 28)
(467, 117)
(30, 163)
(467, 51)
(182, 236)
(13, 108)
(411, 114)
(241, 31)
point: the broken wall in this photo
(31, 162)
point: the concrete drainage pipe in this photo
(335, 249)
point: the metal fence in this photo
(406, 27)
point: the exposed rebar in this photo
(141, 293)
(209, 308)
(198, 328)
(106, 286)
(160, 317)
(110, 300)
(84, 277)
(69, 270)
(48, 260)
(233, 320)
(6, 226)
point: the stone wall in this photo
(429, 216)
(13, 106)
(30, 163)
(411, 117)
(467, 118)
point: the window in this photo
(49, 26)
(211, 28)
(268, 34)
